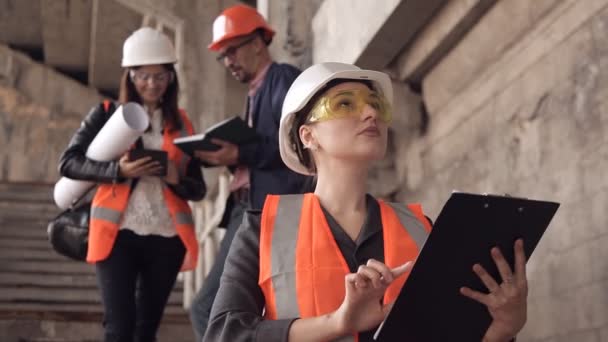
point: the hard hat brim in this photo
(217, 45)
(158, 61)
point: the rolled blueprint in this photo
(128, 123)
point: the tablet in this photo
(156, 155)
(430, 306)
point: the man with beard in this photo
(241, 37)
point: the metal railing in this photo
(207, 217)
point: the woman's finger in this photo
(142, 161)
(146, 169)
(155, 171)
(520, 261)
(387, 275)
(503, 267)
(475, 295)
(371, 275)
(356, 281)
(486, 278)
(400, 270)
(349, 281)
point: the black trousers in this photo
(136, 281)
(200, 309)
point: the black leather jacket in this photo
(75, 165)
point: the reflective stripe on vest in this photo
(184, 218)
(408, 219)
(106, 214)
(294, 256)
(283, 255)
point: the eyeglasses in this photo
(350, 103)
(143, 77)
(231, 51)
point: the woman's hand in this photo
(362, 308)
(138, 168)
(506, 302)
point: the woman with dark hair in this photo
(326, 266)
(141, 230)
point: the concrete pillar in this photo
(111, 24)
(66, 34)
(438, 37)
(344, 30)
(20, 23)
(291, 20)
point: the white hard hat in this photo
(147, 46)
(306, 86)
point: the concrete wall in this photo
(519, 107)
(39, 111)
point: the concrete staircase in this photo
(45, 296)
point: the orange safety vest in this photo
(111, 200)
(302, 269)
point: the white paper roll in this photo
(128, 123)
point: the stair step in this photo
(23, 232)
(16, 279)
(15, 210)
(62, 296)
(26, 192)
(10, 253)
(45, 329)
(57, 339)
(79, 311)
(49, 267)
(24, 222)
(48, 330)
(25, 244)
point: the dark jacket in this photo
(268, 173)
(75, 165)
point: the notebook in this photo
(234, 130)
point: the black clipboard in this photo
(430, 306)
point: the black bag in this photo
(69, 232)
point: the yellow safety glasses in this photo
(350, 103)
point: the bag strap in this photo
(107, 104)
(76, 201)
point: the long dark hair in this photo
(301, 118)
(168, 103)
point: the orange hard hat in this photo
(238, 20)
